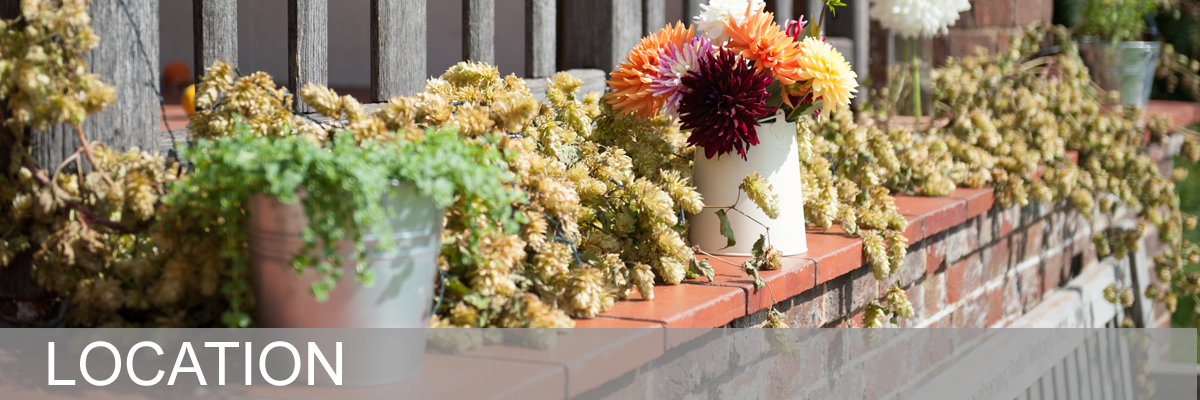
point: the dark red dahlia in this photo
(725, 97)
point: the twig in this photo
(717, 258)
(87, 151)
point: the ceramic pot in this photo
(777, 159)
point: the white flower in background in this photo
(714, 14)
(912, 18)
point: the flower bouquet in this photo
(739, 87)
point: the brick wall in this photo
(986, 25)
(986, 272)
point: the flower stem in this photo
(916, 78)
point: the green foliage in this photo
(726, 228)
(1115, 20)
(340, 186)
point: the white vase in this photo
(776, 158)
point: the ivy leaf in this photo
(752, 270)
(726, 229)
(702, 267)
(757, 250)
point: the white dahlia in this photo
(714, 14)
(912, 18)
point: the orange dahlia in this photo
(632, 80)
(757, 38)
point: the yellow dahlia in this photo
(757, 38)
(826, 74)
(632, 80)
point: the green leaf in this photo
(757, 250)
(726, 229)
(752, 270)
(702, 267)
(805, 109)
(775, 100)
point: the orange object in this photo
(631, 80)
(188, 100)
(176, 75)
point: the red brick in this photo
(962, 278)
(1000, 13)
(916, 229)
(1008, 219)
(935, 292)
(995, 299)
(935, 252)
(938, 213)
(916, 296)
(972, 313)
(590, 357)
(996, 259)
(602, 322)
(806, 310)
(864, 288)
(1012, 297)
(834, 255)
(796, 276)
(1182, 113)
(1030, 11)
(978, 200)
(684, 306)
(1054, 271)
(1030, 286)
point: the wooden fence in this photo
(559, 35)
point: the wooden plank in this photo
(784, 11)
(214, 34)
(1084, 368)
(691, 8)
(600, 32)
(1060, 382)
(1126, 366)
(479, 30)
(397, 48)
(654, 16)
(120, 61)
(308, 46)
(1071, 375)
(1100, 384)
(541, 40)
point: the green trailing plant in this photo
(341, 184)
(1115, 20)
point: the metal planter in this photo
(1127, 67)
(401, 295)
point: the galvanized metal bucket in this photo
(1127, 67)
(403, 288)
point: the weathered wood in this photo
(654, 15)
(125, 58)
(691, 8)
(540, 37)
(214, 33)
(308, 52)
(119, 60)
(783, 11)
(479, 30)
(600, 32)
(397, 48)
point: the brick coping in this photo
(698, 303)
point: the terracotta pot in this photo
(777, 159)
